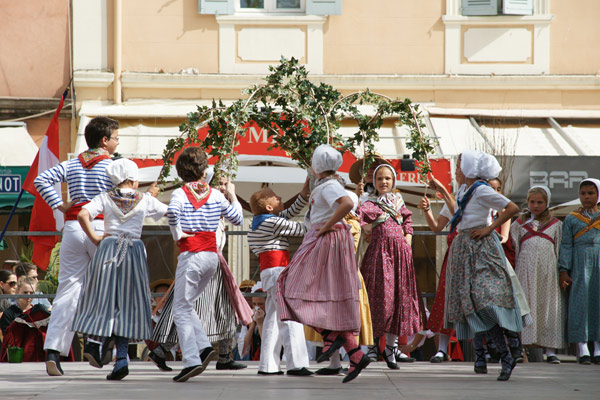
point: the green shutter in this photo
(479, 7)
(219, 7)
(324, 7)
(517, 7)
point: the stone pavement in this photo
(420, 380)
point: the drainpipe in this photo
(117, 51)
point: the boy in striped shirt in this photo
(86, 178)
(194, 213)
(268, 240)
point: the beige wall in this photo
(34, 56)
(575, 37)
(385, 37)
(161, 36)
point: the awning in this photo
(18, 152)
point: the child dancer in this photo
(479, 295)
(536, 237)
(115, 300)
(86, 178)
(579, 266)
(268, 240)
(387, 266)
(194, 213)
(319, 288)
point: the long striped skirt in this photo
(319, 287)
(479, 293)
(213, 307)
(115, 299)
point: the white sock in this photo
(390, 341)
(583, 349)
(443, 345)
(550, 352)
(335, 361)
(596, 349)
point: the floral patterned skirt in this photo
(479, 294)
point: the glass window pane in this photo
(252, 3)
(288, 3)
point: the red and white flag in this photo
(43, 218)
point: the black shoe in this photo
(91, 353)
(480, 365)
(405, 359)
(504, 373)
(597, 360)
(358, 367)
(480, 369)
(269, 373)
(586, 360)
(107, 350)
(387, 353)
(329, 371)
(118, 375)
(517, 354)
(373, 353)
(188, 372)
(334, 345)
(231, 364)
(553, 360)
(300, 372)
(53, 363)
(160, 362)
(438, 359)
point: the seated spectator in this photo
(31, 271)
(24, 324)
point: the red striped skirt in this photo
(319, 288)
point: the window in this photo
(497, 7)
(270, 6)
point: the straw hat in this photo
(160, 282)
(356, 168)
(246, 286)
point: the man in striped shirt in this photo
(85, 177)
(268, 240)
(194, 213)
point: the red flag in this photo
(43, 218)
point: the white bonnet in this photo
(545, 189)
(596, 182)
(121, 170)
(326, 158)
(477, 164)
(385, 166)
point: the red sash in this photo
(273, 258)
(89, 164)
(71, 214)
(201, 241)
(532, 233)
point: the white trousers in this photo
(194, 271)
(76, 251)
(276, 333)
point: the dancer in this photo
(268, 240)
(319, 288)
(194, 213)
(387, 266)
(479, 295)
(217, 308)
(86, 178)
(536, 237)
(115, 300)
(579, 266)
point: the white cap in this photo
(477, 164)
(326, 158)
(545, 189)
(121, 170)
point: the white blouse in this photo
(323, 201)
(477, 211)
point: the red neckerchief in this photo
(197, 193)
(91, 157)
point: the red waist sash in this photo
(274, 258)
(201, 241)
(71, 214)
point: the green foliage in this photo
(53, 266)
(47, 287)
(298, 115)
(26, 253)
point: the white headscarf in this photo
(596, 183)
(326, 158)
(384, 166)
(477, 164)
(545, 189)
(121, 170)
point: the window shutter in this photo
(517, 7)
(219, 7)
(479, 7)
(324, 7)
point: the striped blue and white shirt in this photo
(83, 184)
(273, 231)
(183, 217)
